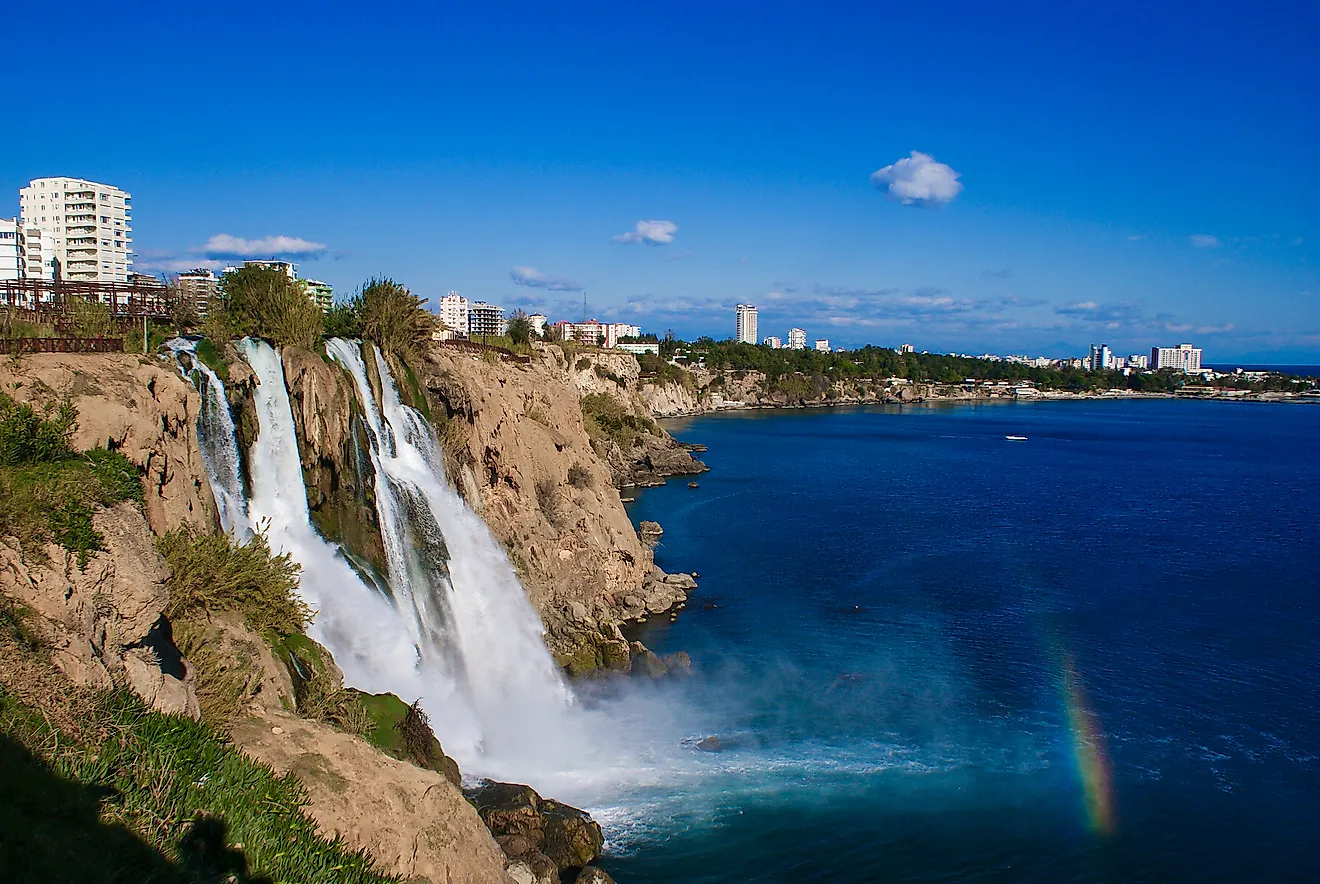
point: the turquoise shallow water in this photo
(931, 654)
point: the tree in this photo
(393, 317)
(263, 302)
(520, 328)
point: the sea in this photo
(924, 652)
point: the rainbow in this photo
(1088, 745)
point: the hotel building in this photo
(77, 230)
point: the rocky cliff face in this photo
(515, 443)
(138, 406)
(104, 625)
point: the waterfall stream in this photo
(455, 628)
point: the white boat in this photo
(1016, 438)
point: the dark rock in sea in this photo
(534, 867)
(593, 875)
(694, 484)
(646, 663)
(710, 744)
(710, 606)
(678, 664)
(547, 837)
(650, 532)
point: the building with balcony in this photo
(201, 286)
(797, 339)
(454, 313)
(773, 343)
(1101, 358)
(485, 320)
(538, 321)
(13, 252)
(84, 229)
(1183, 357)
(321, 293)
(746, 324)
(823, 345)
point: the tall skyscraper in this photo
(1101, 357)
(797, 339)
(82, 229)
(747, 324)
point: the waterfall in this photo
(373, 644)
(217, 440)
(475, 627)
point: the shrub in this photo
(547, 498)
(29, 436)
(579, 476)
(605, 417)
(606, 375)
(91, 319)
(394, 317)
(583, 364)
(520, 328)
(263, 302)
(343, 321)
(212, 573)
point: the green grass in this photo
(147, 797)
(211, 358)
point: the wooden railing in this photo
(61, 345)
(45, 297)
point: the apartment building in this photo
(77, 230)
(746, 314)
(797, 339)
(454, 313)
(13, 253)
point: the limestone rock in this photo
(413, 821)
(106, 621)
(593, 875)
(530, 828)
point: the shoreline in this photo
(1259, 398)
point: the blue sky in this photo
(1123, 174)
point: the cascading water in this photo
(217, 440)
(475, 627)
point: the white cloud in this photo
(533, 278)
(652, 233)
(918, 180)
(224, 245)
(1204, 241)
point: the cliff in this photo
(517, 447)
(140, 407)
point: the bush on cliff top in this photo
(264, 303)
(48, 491)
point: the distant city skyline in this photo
(984, 187)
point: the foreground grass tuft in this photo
(152, 798)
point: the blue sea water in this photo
(891, 602)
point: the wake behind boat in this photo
(1016, 438)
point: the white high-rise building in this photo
(13, 252)
(1101, 357)
(1183, 357)
(906, 348)
(454, 313)
(773, 343)
(747, 324)
(797, 339)
(86, 231)
(823, 345)
(201, 286)
(538, 321)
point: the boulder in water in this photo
(650, 532)
(508, 809)
(646, 663)
(678, 664)
(710, 744)
(593, 875)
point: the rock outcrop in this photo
(131, 404)
(412, 821)
(543, 839)
(104, 624)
